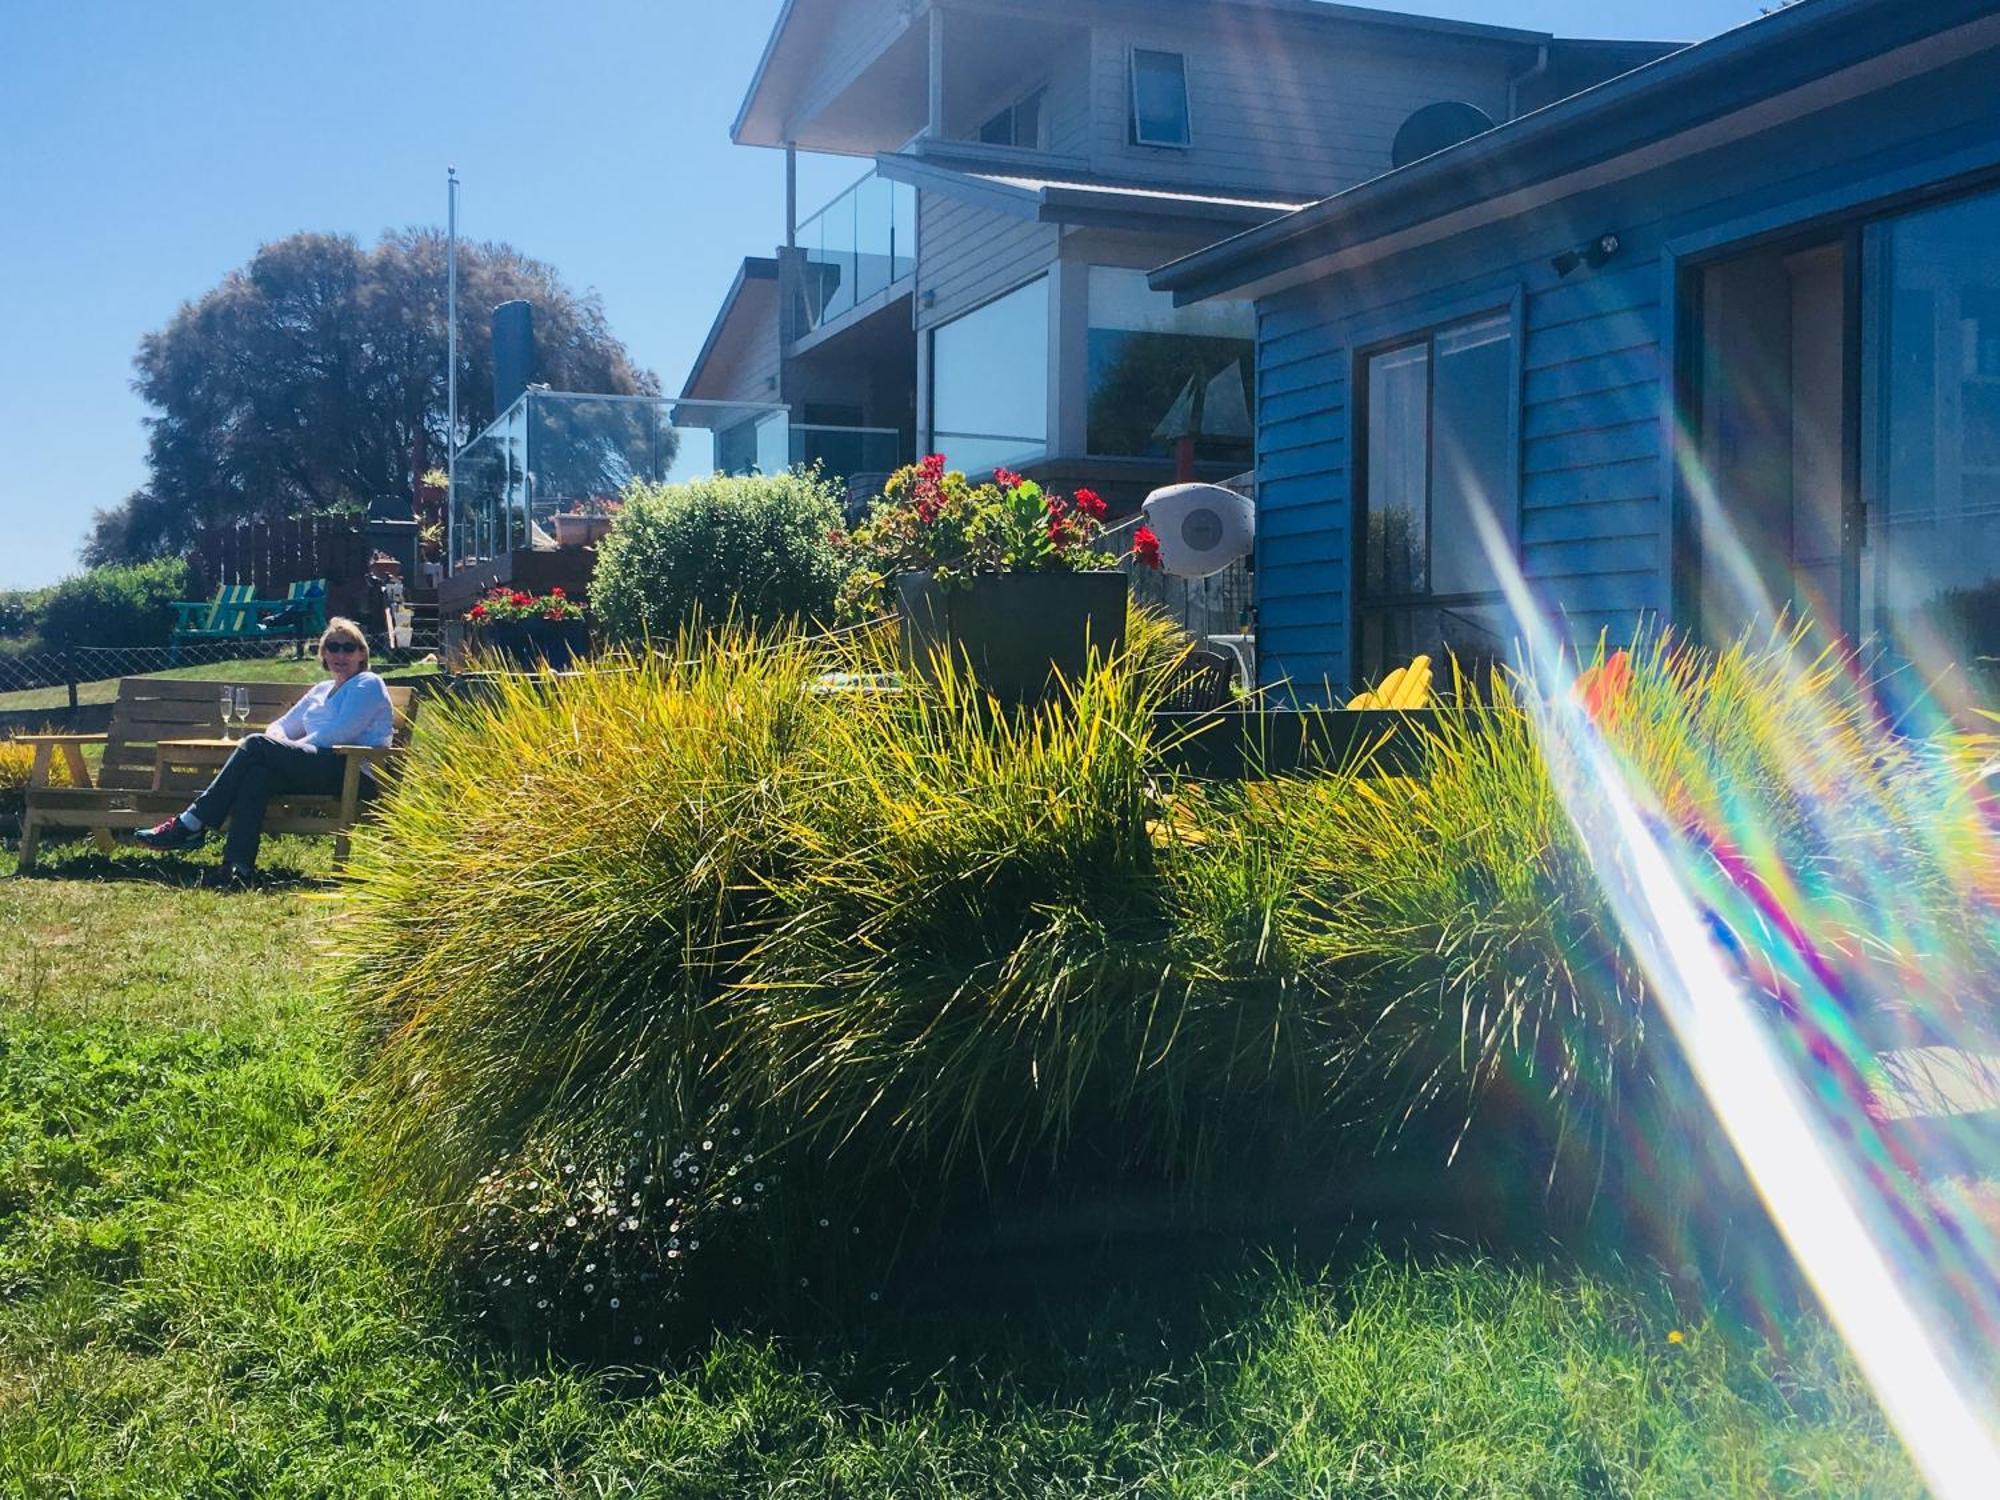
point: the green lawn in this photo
(272, 669)
(197, 1299)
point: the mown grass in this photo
(197, 1299)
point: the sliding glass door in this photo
(1846, 463)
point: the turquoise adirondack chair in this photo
(230, 614)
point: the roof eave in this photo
(763, 68)
(752, 269)
(1588, 129)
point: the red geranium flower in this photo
(1091, 504)
(1146, 547)
(556, 592)
(1007, 479)
(477, 612)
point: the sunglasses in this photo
(342, 648)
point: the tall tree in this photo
(313, 380)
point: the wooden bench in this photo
(136, 784)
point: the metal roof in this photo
(1059, 200)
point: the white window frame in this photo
(1133, 131)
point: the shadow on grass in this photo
(129, 864)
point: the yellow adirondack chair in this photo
(1406, 688)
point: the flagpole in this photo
(451, 369)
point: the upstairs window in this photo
(1159, 99)
(1019, 124)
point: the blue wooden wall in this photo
(1596, 480)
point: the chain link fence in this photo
(61, 687)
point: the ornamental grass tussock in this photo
(901, 956)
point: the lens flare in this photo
(1820, 928)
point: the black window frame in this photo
(1011, 114)
(1132, 132)
(1362, 606)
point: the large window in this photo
(990, 382)
(1159, 99)
(1162, 375)
(1439, 455)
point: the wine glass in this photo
(242, 711)
(228, 704)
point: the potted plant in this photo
(586, 522)
(530, 630)
(1004, 576)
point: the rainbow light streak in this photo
(1764, 1013)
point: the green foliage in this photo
(21, 613)
(890, 939)
(919, 957)
(931, 519)
(17, 763)
(115, 606)
(196, 1298)
(755, 549)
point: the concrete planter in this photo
(1020, 632)
(533, 644)
(581, 531)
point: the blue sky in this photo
(148, 149)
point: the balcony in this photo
(855, 249)
(553, 450)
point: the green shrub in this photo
(21, 612)
(121, 605)
(17, 763)
(882, 945)
(888, 957)
(756, 549)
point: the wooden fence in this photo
(271, 554)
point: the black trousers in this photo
(257, 770)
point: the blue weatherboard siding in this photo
(1595, 393)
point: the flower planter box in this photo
(1020, 632)
(581, 531)
(533, 644)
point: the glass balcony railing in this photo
(859, 245)
(554, 451)
(850, 452)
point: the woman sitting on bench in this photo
(293, 757)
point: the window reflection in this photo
(1160, 374)
(990, 382)
(1439, 461)
(1930, 568)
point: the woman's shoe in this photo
(172, 834)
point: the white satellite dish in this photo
(1202, 528)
